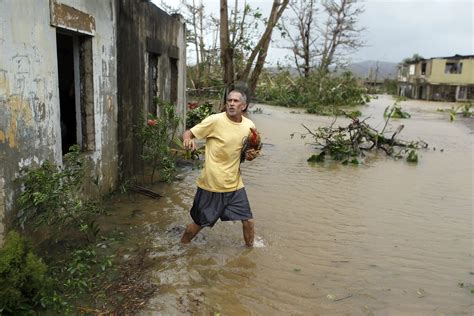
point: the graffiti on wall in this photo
(22, 97)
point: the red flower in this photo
(151, 122)
(192, 105)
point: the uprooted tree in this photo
(350, 143)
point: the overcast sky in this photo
(396, 29)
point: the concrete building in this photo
(439, 79)
(78, 72)
(152, 59)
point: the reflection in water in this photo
(384, 237)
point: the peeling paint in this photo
(70, 18)
(30, 104)
(4, 86)
(19, 110)
(23, 163)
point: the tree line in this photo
(231, 49)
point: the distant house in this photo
(438, 79)
(82, 72)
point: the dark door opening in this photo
(67, 95)
(420, 93)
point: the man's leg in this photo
(249, 232)
(191, 231)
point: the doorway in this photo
(67, 90)
(76, 90)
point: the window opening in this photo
(423, 68)
(153, 82)
(453, 68)
(174, 80)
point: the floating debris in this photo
(146, 192)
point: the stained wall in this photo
(148, 38)
(30, 128)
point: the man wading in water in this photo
(221, 193)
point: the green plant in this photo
(156, 135)
(51, 196)
(390, 86)
(197, 113)
(464, 109)
(412, 156)
(395, 111)
(257, 110)
(349, 144)
(82, 268)
(320, 94)
(23, 279)
(452, 114)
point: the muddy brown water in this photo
(382, 238)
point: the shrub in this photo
(51, 196)
(23, 280)
(196, 113)
(318, 93)
(156, 135)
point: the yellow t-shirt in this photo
(224, 142)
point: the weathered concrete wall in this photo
(2, 204)
(30, 129)
(145, 30)
(438, 76)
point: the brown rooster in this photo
(252, 141)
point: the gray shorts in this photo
(208, 207)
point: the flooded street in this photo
(385, 237)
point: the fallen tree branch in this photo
(348, 143)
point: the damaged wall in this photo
(439, 76)
(30, 110)
(151, 55)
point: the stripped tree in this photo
(340, 31)
(256, 60)
(303, 42)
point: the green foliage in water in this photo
(156, 135)
(321, 94)
(196, 113)
(341, 148)
(395, 111)
(412, 156)
(317, 158)
(23, 280)
(51, 196)
(464, 109)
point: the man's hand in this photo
(188, 143)
(188, 140)
(251, 154)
